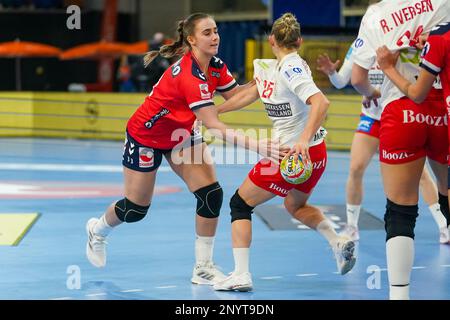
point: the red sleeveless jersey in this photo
(436, 56)
(166, 117)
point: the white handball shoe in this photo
(96, 245)
(343, 250)
(444, 235)
(351, 231)
(242, 282)
(206, 273)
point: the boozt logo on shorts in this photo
(146, 157)
(273, 186)
(149, 124)
(409, 117)
(319, 164)
(396, 156)
(448, 101)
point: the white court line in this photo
(96, 294)
(307, 274)
(270, 278)
(419, 267)
(66, 167)
(62, 298)
(337, 272)
(132, 290)
(445, 265)
(165, 287)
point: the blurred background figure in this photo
(124, 76)
(145, 78)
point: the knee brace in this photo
(443, 203)
(400, 220)
(209, 200)
(128, 211)
(239, 209)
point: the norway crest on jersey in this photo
(204, 91)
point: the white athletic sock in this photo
(353, 214)
(203, 249)
(326, 229)
(439, 218)
(102, 228)
(400, 259)
(241, 260)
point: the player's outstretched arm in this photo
(243, 98)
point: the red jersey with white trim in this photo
(436, 56)
(166, 117)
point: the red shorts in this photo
(448, 130)
(266, 175)
(369, 126)
(411, 131)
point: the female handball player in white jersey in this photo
(297, 109)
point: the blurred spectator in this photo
(124, 77)
(38, 4)
(146, 78)
(47, 4)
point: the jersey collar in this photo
(292, 54)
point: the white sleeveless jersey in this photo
(376, 77)
(277, 84)
(397, 24)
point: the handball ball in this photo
(294, 170)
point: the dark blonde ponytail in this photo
(286, 30)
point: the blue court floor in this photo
(69, 181)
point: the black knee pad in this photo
(239, 209)
(128, 211)
(400, 220)
(443, 203)
(209, 200)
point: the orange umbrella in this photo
(138, 47)
(19, 49)
(95, 50)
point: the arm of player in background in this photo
(360, 81)
(341, 78)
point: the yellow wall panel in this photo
(104, 116)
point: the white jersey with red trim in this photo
(166, 117)
(397, 24)
(342, 78)
(284, 87)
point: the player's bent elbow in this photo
(417, 97)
